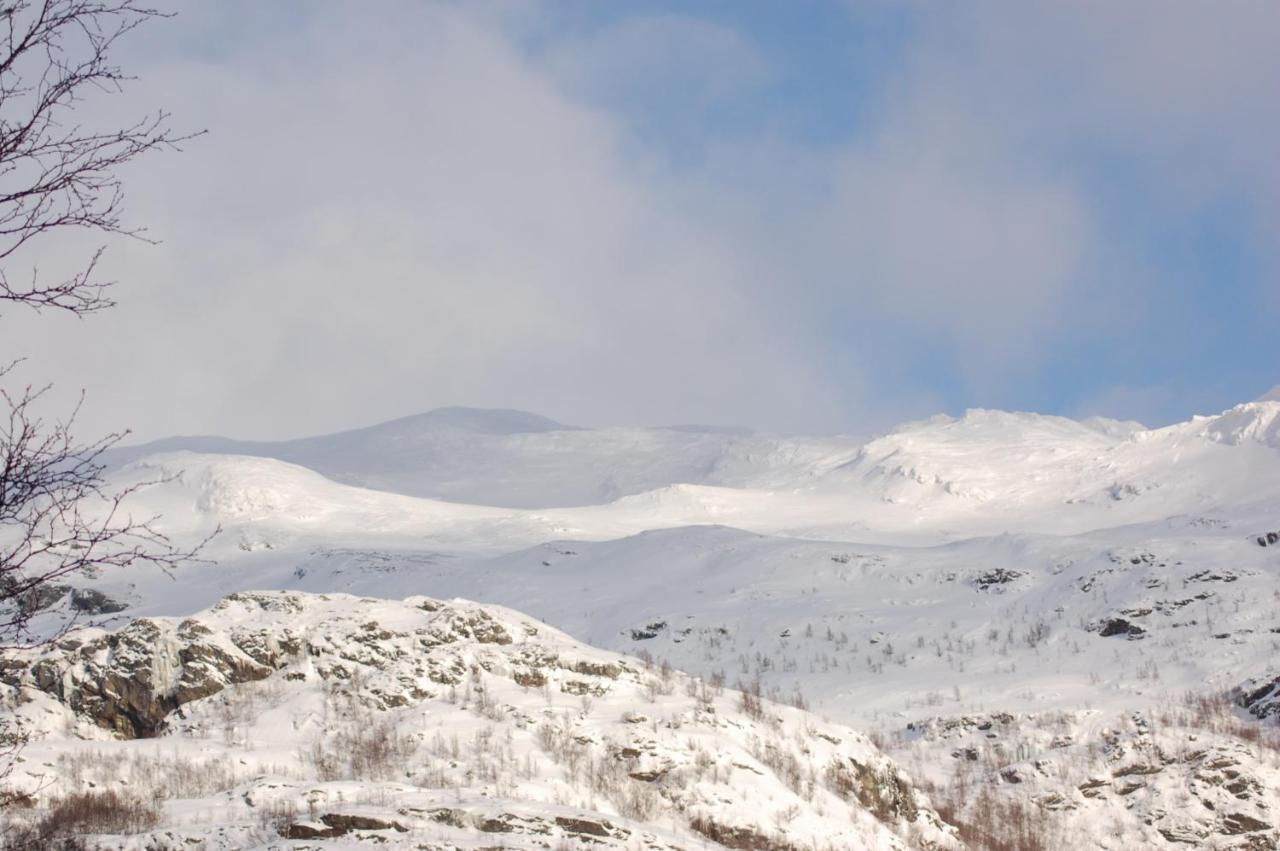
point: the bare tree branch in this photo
(59, 516)
(55, 173)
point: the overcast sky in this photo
(797, 216)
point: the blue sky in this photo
(827, 70)
(821, 68)
(819, 216)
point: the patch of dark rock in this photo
(36, 599)
(308, 830)
(1137, 768)
(1213, 576)
(87, 601)
(93, 602)
(530, 679)
(1234, 824)
(597, 669)
(1168, 607)
(450, 817)
(347, 823)
(885, 793)
(742, 838)
(1181, 835)
(1120, 626)
(1120, 492)
(508, 823)
(648, 631)
(1261, 701)
(1093, 787)
(337, 824)
(1135, 560)
(587, 827)
(577, 687)
(990, 724)
(997, 577)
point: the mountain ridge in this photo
(514, 459)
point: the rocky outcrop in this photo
(1120, 626)
(453, 720)
(84, 601)
(885, 793)
(332, 825)
(996, 578)
(131, 681)
(1261, 697)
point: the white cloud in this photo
(399, 211)
(393, 214)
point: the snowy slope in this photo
(333, 717)
(522, 460)
(942, 479)
(1049, 473)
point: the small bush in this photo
(100, 812)
(29, 837)
(750, 700)
(69, 819)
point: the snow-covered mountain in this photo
(1055, 623)
(522, 460)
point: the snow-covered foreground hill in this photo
(1066, 627)
(429, 725)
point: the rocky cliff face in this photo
(131, 681)
(423, 719)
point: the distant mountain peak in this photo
(479, 421)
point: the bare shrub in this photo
(100, 812)
(997, 824)
(1215, 712)
(739, 837)
(277, 817)
(164, 776)
(29, 837)
(366, 749)
(750, 700)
